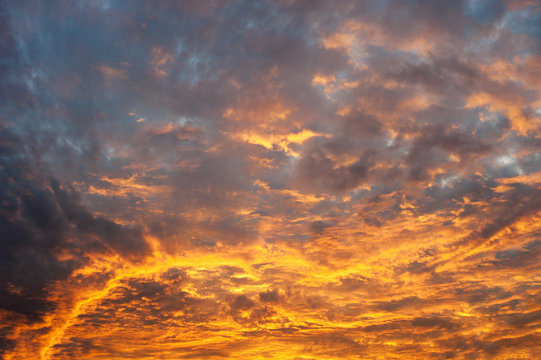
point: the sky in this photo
(270, 179)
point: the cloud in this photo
(47, 233)
(304, 179)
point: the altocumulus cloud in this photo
(270, 179)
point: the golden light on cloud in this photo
(270, 180)
(119, 187)
(281, 142)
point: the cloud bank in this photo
(270, 179)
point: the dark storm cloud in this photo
(126, 241)
(39, 220)
(32, 228)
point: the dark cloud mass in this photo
(41, 218)
(270, 179)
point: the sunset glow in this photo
(270, 179)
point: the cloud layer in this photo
(270, 180)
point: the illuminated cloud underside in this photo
(270, 180)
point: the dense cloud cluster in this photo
(46, 232)
(270, 179)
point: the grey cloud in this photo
(39, 218)
(521, 257)
(76, 77)
(317, 171)
(270, 296)
(398, 304)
